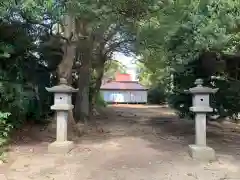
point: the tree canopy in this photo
(188, 39)
(43, 41)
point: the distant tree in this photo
(112, 67)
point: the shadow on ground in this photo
(156, 124)
(179, 133)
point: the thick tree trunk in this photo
(81, 110)
(65, 67)
(69, 49)
(85, 105)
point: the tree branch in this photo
(33, 21)
(115, 45)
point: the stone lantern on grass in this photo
(201, 106)
(62, 105)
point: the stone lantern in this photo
(201, 106)
(62, 105)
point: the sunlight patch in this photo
(111, 145)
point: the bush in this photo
(181, 103)
(15, 99)
(5, 129)
(226, 102)
(157, 95)
(100, 101)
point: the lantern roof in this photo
(62, 87)
(200, 89)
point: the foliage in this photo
(157, 95)
(111, 67)
(22, 74)
(100, 101)
(170, 37)
(33, 43)
(5, 129)
(173, 40)
(227, 100)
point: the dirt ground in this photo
(139, 142)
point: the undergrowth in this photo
(5, 129)
(100, 101)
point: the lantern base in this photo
(60, 147)
(202, 153)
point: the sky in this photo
(128, 61)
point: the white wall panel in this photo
(124, 96)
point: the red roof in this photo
(117, 85)
(122, 82)
(122, 77)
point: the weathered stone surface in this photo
(200, 129)
(62, 87)
(3, 177)
(60, 147)
(203, 153)
(62, 105)
(201, 106)
(62, 117)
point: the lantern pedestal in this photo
(60, 147)
(200, 150)
(203, 153)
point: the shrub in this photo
(157, 95)
(5, 129)
(15, 99)
(100, 101)
(226, 102)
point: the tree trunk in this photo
(69, 50)
(99, 76)
(65, 67)
(81, 110)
